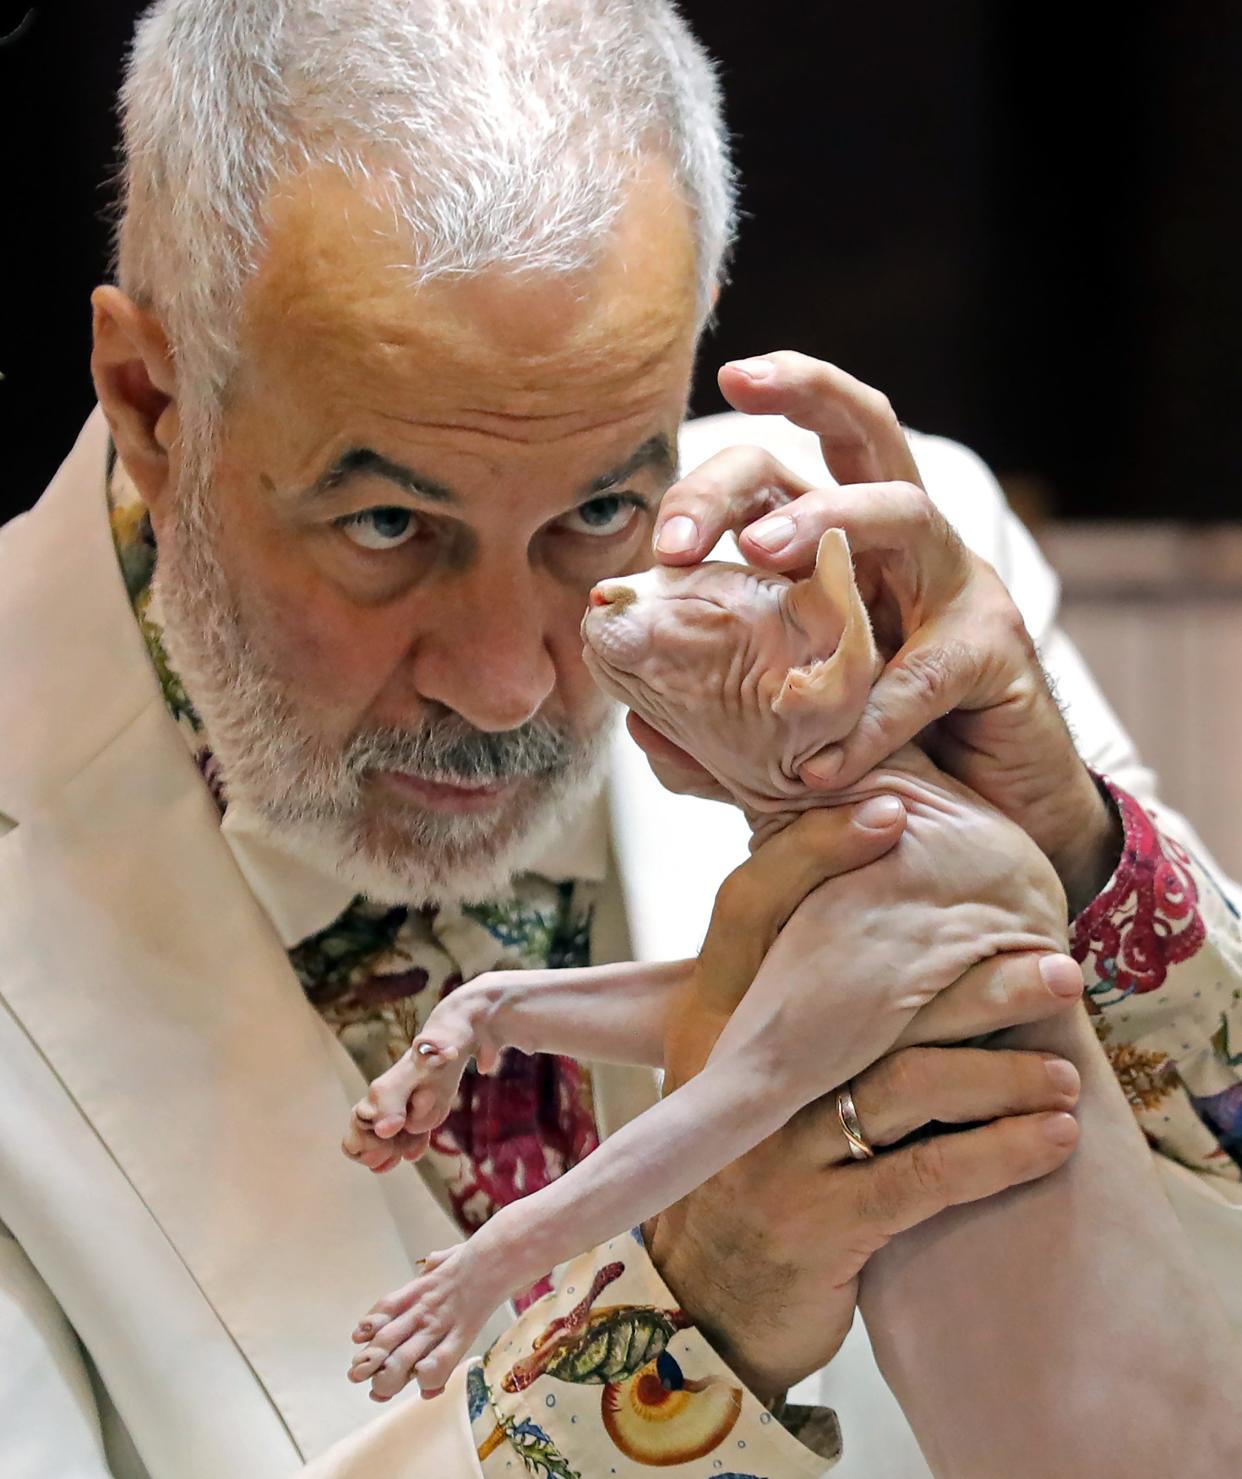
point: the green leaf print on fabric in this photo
(329, 961)
(537, 1451)
(552, 936)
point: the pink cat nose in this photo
(613, 593)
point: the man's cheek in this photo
(336, 659)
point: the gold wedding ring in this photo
(859, 1146)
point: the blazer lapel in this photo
(141, 964)
(153, 983)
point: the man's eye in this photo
(379, 528)
(611, 514)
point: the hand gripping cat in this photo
(750, 673)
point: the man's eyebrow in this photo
(360, 460)
(657, 451)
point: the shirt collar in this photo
(302, 898)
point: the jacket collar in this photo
(159, 992)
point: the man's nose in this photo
(489, 658)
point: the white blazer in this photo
(183, 1249)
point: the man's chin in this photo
(398, 850)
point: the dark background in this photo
(1022, 224)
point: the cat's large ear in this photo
(828, 607)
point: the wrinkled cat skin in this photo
(751, 674)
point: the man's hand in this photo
(962, 671)
(765, 1256)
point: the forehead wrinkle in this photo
(502, 387)
(506, 429)
(334, 260)
(530, 348)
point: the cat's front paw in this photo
(423, 1330)
(417, 1092)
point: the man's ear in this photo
(136, 383)
(828, 607)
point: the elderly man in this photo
(297, 736)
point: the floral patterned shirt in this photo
(1161, 949)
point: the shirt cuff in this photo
(1145, 920)
(606, 1377)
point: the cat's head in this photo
(749, 672)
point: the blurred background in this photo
(1021, 223)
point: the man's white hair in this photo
(499, 132)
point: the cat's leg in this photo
(613, 1013)
(1062, 1327)
(605, 1013)
(733, 1104)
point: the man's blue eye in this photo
(600, 511)
(379, 528)
(610, 514)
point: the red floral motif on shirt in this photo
(1147, 919)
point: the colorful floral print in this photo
(1162, 954)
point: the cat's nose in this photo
(613, 593)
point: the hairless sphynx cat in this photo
(750, 673)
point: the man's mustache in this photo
(453, 751)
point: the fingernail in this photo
(878, 814)
(1061, 975)
(677, 536)
(755, 369)
(1061, 1129)
(772, 533)
(1063, 1076)
(824, 767)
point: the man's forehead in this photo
(336, 278)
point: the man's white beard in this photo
(312, 797)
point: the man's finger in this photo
(877, 518)
(914, 1087)
(724, 494)
(861, 438)
(756, 900)
(928, 679)
(1006, 991)
(903, 1188)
